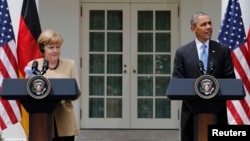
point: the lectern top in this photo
(61, 88)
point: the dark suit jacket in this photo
(186, 62)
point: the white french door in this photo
(155, 34)
(127, 54)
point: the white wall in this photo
(63, 16)
(188, 8)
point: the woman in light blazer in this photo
(64, 127)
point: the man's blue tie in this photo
(204, 56)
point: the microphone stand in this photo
(210, 68)
(34, 68)
(45, 67)
(201, 67)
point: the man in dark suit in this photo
(186, 65)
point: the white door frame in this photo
(129, 112)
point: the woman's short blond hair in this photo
(49, 37)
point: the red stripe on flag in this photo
(11, 58)
(2, 125)
(244, 50)
(10, 111)
(3, 70)
(234, 112)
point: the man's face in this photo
(203, 28)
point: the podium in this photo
(40, 110)
(204, 110)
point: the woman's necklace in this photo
(57, 64)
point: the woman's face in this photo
(52, 52)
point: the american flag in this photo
(9, 109)
(232, 32)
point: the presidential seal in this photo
(206, 86)
(38, 87)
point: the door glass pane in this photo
(96, 63)
(161, 83)
(163, 20)
(145, 64)
(145, 108)
(162, 108)
(96, 20)
(145, 42)
(145, 86)
(114, 42)
(145, 20)
(114, 64)
(96, 85)
(163, 42)
(96, 41)
(114, 108)
(162, 64)
(114, 86)
(96, 107)
(114, 20)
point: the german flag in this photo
(27, 47)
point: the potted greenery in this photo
(1, 139)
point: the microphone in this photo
(201, 66)
(34, 68)
(210, 67)
(45, 67)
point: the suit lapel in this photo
(212, 52)
(195, 57)
(193, 50)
